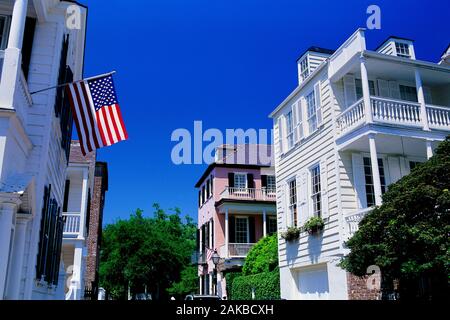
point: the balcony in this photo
(352, 221)
(392, 112)
(72, 225)
(235, 250)
(248, 194)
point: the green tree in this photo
(263, 257)
(408, 236)
(145, 253)
(188, 283)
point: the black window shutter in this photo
(66, 195)
(199, 198)
(250, 181)
(264, 181)
(251, 229)
(231, 179)
(207, 235)
(203, 239)
(28, 36)
(42, 238)
(231, 229)
(212, 184)
(197, 239)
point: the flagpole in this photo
(67, 83)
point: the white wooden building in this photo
(37, 50)
(358, 121)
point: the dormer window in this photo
(304, 69)
(402, 50)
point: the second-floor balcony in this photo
(72, 225)
(263, 194)
(393, 112)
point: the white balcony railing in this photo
(248, 194)
(394, 112)
(72, 225)
(438, 117)
(351, 117)
(239, 249)
(353, 219)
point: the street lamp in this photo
(215, 259)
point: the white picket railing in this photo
(353, 220)
(395, 111)
(72, 225)
(438, 117)
(248, 194)
(392, 111)
(352, 117)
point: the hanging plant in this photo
(291, 234)
(314, 225)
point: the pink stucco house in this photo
(236, 207)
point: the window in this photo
(4, 30)
(271, 225)
(208, 190)
(413, 164)
(312, 111)
(370, 191)
(408, 93)
(316, 195)
(240, 181)
(203, 194)
(290, 129)
(293, 201)
(271, 187)
(241, 230)
(402, 50)
(359, 91)
(304, 69)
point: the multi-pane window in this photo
(413, 164)
(315, 191)
(290, 129)
(304, 68)
(271, 225)
(242, 230)
(408, 93)
(359, 90)
(312, 111)
(370, 190)
(293, 201)
(271, 184)
(402, 50)
(240, 180)
(4, 26)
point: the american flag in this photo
(209, 253)
(96, 112)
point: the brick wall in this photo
(357, 289)
(95, 223)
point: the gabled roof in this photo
(392, 37)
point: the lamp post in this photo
(215, 259)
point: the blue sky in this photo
(228, 63)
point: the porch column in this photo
(366, 90)
(6, 222)
(375, 171)
(421, 100)
(15, 272)
(75, 281)
(84, 197)
(429, 149)
(13, 57)
(227, 237)
(264, 223)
